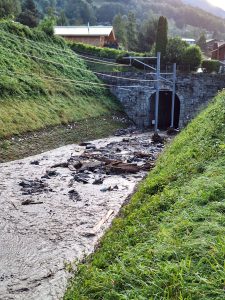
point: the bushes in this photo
(192, 57)
(211, 65)
(100, 52)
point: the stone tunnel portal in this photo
(165, 106)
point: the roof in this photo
(220, 45)
(188, 40)
(83, 30)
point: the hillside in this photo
(42, 82)
(205, 5)
(168, 243)
(102, 11)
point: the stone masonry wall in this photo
(193, 90)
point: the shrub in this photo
(192, 57)
(211, 65)
(47, 25)
(175, 50)
(100, 52)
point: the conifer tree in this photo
(120, 29)
(30, 14)
(9, 8)
(132, 36)
(162, 36)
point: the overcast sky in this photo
(220, 3)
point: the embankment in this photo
(169, 241)
(43, 83)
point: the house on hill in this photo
(100, 36)
(219, 51)
(191, 42)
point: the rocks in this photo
(91, 166)
(156, 138)
(36, 186)
(50, 174)
(74, 195)
(109, 189)
(172, 131)
(122, 131)
(90, 147)
(82, 178)
(98, 181)
(35, 162)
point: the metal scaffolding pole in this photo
(157, 92)
(173, 95)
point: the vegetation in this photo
(211, 65)
(162, 37)
(202, 42)
(139, 16)
(175, 50)
(192, 57)
(29, 15)
(9, 8)
(168, 242)
(101, 52)
(42, 82)
(53, 137)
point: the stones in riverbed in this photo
(156, 138)
(36, 186)
(35, 162)
(74, 195)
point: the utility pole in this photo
(173, 94)
(157, 92)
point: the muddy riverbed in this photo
(54, 208)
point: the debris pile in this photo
(129, 156)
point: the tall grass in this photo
(169, 242)
(35, 92)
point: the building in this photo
(191, 42)
(219, 51)
(99, 36)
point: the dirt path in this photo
(48, 222)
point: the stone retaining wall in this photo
(193, 90)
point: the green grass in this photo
(52, 137)
(35, 93)
(169, 242)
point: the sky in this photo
(219, 3)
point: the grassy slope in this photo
(169, 242)
(29, 100)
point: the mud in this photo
(52, 214)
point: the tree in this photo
(79, 12)
(175, 50)
(47, 25)
(147, 35)
(202, 42)
(29, 15)
(119, 26)
(62, 19)
(9, 8)
(132, 40)
(192, 57)
(162, 36)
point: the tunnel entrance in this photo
(165, 106)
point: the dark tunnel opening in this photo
(165, 107)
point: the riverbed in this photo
(56, 206)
